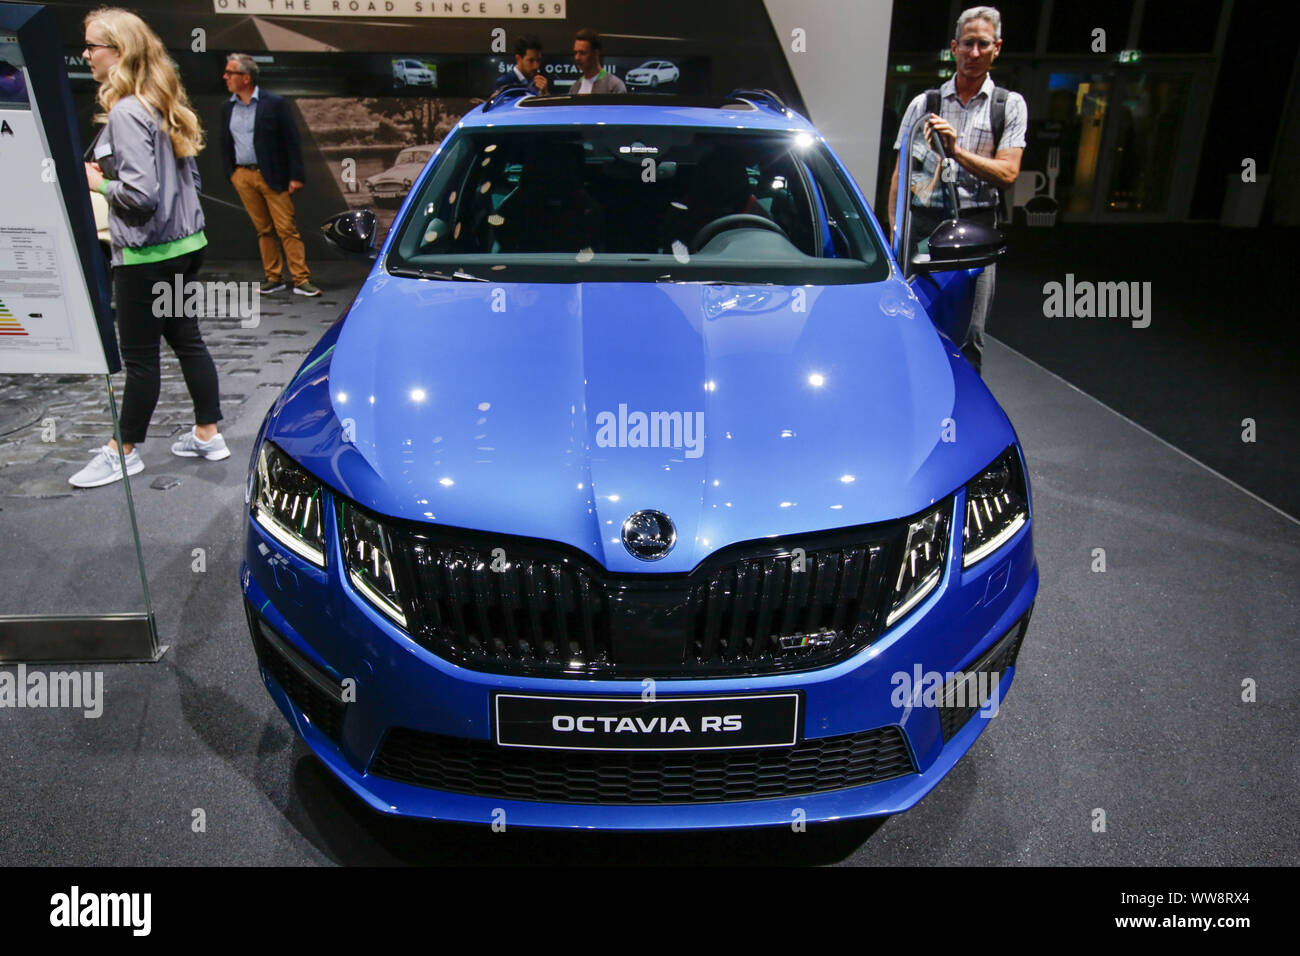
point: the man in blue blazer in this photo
(262, 156)
(527, 72)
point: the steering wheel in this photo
(738, 220)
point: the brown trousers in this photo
(272, 215)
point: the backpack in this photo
(997, 119)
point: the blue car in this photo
(643, 484)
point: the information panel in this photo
(47, 321)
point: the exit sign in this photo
(1130, 56)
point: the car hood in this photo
(513, 408)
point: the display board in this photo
(79, 591)
(53, 311)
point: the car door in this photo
(926, 197)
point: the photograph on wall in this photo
(414, 72)
(688, 75)
(376, 148)
(13, 82)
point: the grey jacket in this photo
(152, 196)
(609, 83)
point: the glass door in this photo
(1079, 103)
(1117, 142)
(1147, 119)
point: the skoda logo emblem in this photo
(649, 535)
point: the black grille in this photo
(300, 679)
(523, 606)
(531, 611)
(482, 768)
(996, 661)
(741, 613)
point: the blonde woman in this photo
(144, 166)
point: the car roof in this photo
(650, 109)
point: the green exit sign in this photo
(945, 55)
(1130, 56)
(903, 68)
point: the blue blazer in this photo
(275, 140)
(508, 79)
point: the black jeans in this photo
(138, 333)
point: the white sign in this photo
(443, 9)
(47, 323)
(32, 315)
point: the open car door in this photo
(940, 255)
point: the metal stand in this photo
(78, 638)
(88, 638)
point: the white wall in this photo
(841, 76)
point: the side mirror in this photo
(955, 244)
(353, 232)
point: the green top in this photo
(164, 250)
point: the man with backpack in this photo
(982, 128)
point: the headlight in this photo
(922, 564)
(286, 501)
(368, 554)
(997, 506)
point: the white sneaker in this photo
(214, 449)
(104, 469)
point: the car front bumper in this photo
(345, 677)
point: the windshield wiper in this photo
(670, 279)
(458, 275)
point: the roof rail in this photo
(506, 93)
(630, 99)
(756, 96)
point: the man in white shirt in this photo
(595, 78)
(965, 128)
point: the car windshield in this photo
(637, 203)
(420, 156)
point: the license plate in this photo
(629, 723)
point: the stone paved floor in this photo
(73, 410)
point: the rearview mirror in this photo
(955, 244)
(353, 232)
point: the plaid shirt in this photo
(974, 134)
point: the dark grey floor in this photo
(1223, 342)
(1127, 700)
